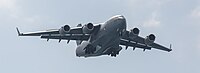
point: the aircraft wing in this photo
(38, 33)
(74, 34)
(133, 44)
(139, 42)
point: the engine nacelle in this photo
(134, 32)
(88, 28)
(150, 39)
(65, 29)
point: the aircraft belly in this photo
(107, 37)
(104, 46)
(105, 42)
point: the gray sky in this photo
(175, 22)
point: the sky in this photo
(175, 22)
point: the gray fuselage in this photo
(107, 38)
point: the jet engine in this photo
(88, 28)
(134, 32)
(64, 29)
(150, 39)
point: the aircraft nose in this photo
(122, 21)
(121, 17)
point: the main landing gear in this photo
(113, 53)
(90, 49)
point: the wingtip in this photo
(19, 34)
(170, 47)
(170, 50)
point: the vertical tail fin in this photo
(78, 42)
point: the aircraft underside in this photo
(101, 39)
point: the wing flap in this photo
(134, 44)
(67, 36)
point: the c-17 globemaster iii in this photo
(101, 39)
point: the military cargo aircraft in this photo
(102, 38)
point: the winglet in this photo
(19, 34)
(170, 47)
